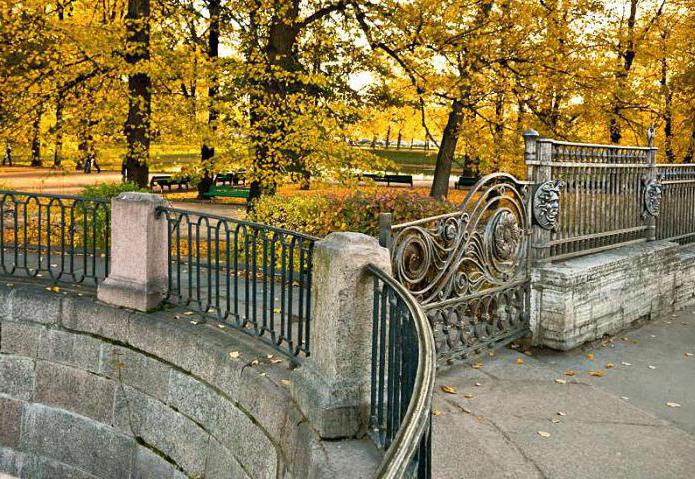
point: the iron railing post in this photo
(385, 223)
(651, 219)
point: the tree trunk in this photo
(58, 153)
(622, 74)
(137, 128)
(7, 158)
(668, 103)
(399, 139)
(690, 152)
(447, 148)
(207, 151)
(36, 139)
(268, 114)
(387, 141)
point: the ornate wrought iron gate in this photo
(470, 269)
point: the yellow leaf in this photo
(436, 412)
(468, 396)
(590, 356)
(598, 374)
(543, 434)
(519, 360)
(234, 354)
(609, 365)
(449, 389)
(477, 365)
(561, 381)
(570, 372)
(673, 404)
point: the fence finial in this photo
(650, 135)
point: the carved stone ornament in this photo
(652, 197)
(546, 204)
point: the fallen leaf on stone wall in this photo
(449, 389)
(673, 404)
(569, 372)
(543, 434)
(598, 374)
(234, 354)
(590, 356)
(519, 360)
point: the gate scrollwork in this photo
(469, 269)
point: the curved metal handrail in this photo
(416, 419)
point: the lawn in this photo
(170, 158)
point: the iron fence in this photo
(254, 277)
(402, 380)
(59, 237)
(676, 219)
(599, 190)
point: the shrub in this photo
(359, 211)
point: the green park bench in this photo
(227, 192)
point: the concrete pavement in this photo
(544, 415)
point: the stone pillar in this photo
(139, 276)
(332, 386)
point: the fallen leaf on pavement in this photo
(624, 398)
(234, 354)
(569, 372)
(555, 421)
(626, 364)
(519, 360)
(449, 389)
(651, 367)
(598, 374)
(436, 412)
(468, 396)
(688, 355)
(561, 413)
(590, 356)
(673, 404)
(478, 384)
(477, 365)
(543, 434)
(561, 381)
(609, 365)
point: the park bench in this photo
(388, 179)
(168, 181)
(227, 192)
(231, 178)
(465, 181)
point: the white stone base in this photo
(582, 299)
(121, 292)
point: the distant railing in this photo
(402, 380)
(254, 277)
(62, 238)
(601, 196)
(676, 219)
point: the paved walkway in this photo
(545, 416)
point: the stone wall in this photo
(92, 391)
(582, 299)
